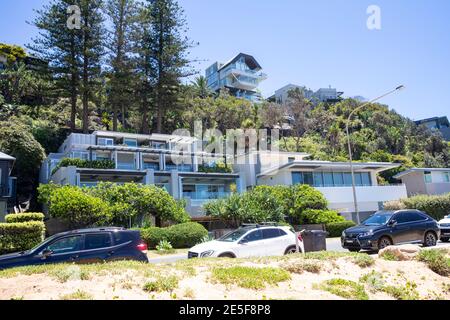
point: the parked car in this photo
(444, 225)
(82, 246)
(385, 228)
(250, 241)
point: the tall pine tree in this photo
(122, 15)
(61, 47)
(92, 50)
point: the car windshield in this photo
(40, 244)
(378, 218)
(234, 235)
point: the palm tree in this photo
(201, 87)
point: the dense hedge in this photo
(436, 206)
(183, 235)
(335, 229)
(20, 236)
(315, 216)
(24, 217)
(80, 163)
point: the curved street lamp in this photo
(355, 201)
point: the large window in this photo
(331, 179)
(105, 142)
(446, 176)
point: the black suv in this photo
(82, 246)
(385, 228)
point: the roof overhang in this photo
(413, 170)
(249, 60)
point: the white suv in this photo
(250, 241)
(444, 225)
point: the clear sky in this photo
(316, 43)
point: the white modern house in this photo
(431, 181)
(168, 161)
(333, 179)
(177, 164)
(241, 76)
(321, 95)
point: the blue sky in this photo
(315, 43)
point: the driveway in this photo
(333, 244)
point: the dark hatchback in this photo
(385, 228)
(82, 246)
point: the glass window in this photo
(358, 179)
(414, 216)
(297, 178)
(97, 240)
(80, 155)
(308, 178)
(338, 179)
(105, 142)
(318, 179)
(446, 176)
(66, 245)
(328, 179)
(401, 217)
(121, 237)
(347, 179)
(366, 181)
(254, 236)
(427, 177)
(270, 233)
(130, 142)
(234, 235)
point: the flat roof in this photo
(314, 165)
(406, 172)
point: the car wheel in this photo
(445, 239)
(226, 255)
(430, 239)
(291, 250)
(384, 242)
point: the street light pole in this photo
(355, 200)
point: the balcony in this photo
(180, 167)
(196, 195)
(126, 166)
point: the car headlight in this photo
(207, 254)
(343, 234)
(366, 234)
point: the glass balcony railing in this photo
(150, 165)
(180, 167)
(205, 195)
(126, 166)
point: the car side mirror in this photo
(392, 223)
(46, 253)
(243, 241)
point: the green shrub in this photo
(335, 229)
(183, 235)
(344, 288)
(436, 261)
(317, 216)
(72, 205)
(81, 163)
(250, 277)
(20, 236)
(162, 284)
(436, 206)
(268, 203)
(165, 246)
(154, 235)
(24, 217)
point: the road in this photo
(333, 244)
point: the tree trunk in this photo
(85, 78)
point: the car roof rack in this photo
(258, 225)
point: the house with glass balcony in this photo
(241, 76)
(7, 185)
(167, 161)
(333, 179)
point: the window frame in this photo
(111, 243)
(80, 247)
